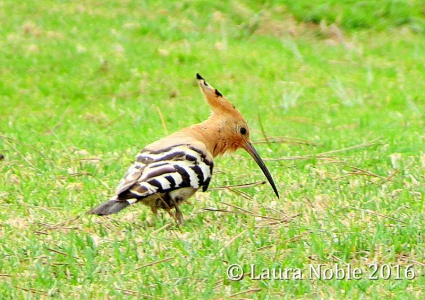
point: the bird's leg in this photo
(155, 211)
(151, 221)
(179, 215)
(167, 207)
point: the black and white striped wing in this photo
(164, 170)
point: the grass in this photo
(83, 88)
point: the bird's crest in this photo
(218, 103)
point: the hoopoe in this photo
(172, 169)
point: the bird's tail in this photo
(112, 206)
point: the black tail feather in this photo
(109, 207)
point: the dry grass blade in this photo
(391, 176)
(113, 120)
(238, 186)
(278, 220)
(240, 193)
(103, 222)
(222, 210)
(23, 156)
(362, 172)
(58, 124)
(231, 241)
(359, 171)
(56, 251)
(220, 283)
(160, 229)
(327, 153)
(250, 291)
(80, 174)
(268, 221)
(164, 126)
(33, 291)
(272, 220)
(41, 232)
(417, 262)
(155, 263)
(284, 140)
(262, 130)
(65, 254)
(270, 224)
(376, 214)
(60, 225)
(277, 211)
(25, 145)
(89, 159)
(134, 293)
(239, 208)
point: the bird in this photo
(169, 171)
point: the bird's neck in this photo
(210, 133)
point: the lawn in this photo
(333, 93)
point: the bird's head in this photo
(233, 130)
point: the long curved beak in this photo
(251, 150)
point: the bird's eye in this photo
(242, 130)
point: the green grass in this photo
(83, 87)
